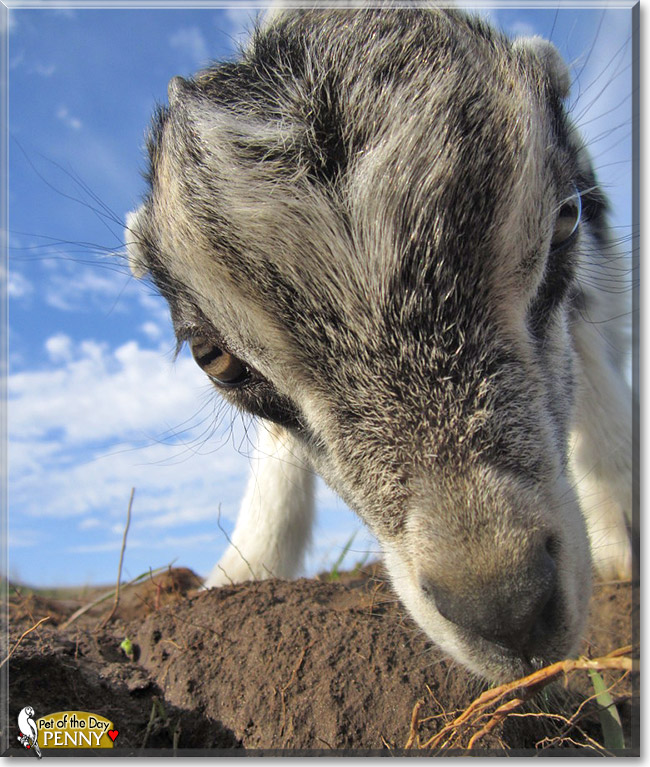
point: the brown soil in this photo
(309, 664)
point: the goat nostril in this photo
(427, 586)
(546, 574)
(547, 619)
(552, 547)
(517, 612)
(443, 599)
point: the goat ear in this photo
(177, 90)
(137, 261)
(549, 56)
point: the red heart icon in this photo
(112, 734)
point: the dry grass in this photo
(22, 636)
(468, 729)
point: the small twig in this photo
(176, 736)
(15, 647)
(232, 583)
(298, 665)
(498, 716)
(322, 740)
(376, 589)
(82, 610)
(176, 645)
(524, 688)
(577, 714)
(159, 587)
(152, 719)
(158, 713)
(119, 569)
(414, 723)
(236, 548)
(621, 651)
(294, 674)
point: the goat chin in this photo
(377, 231)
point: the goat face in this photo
(367, 229)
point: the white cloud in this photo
(73, 287)
(17, 285)
(190, 41)
(64, 115)
(152, 330)
(177, 542)
(84, 431)
(95, 548)
(22, 540)
(98, 421)
(89, 523)
(155, 307)
(99, 394)
(59, 348)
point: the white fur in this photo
(601, 455)
(275, 519)
(137, 263)
(549, 57)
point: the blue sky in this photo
(96, 405)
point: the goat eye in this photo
(221, 366)
(568, 220)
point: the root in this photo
(495, 705)
(15, 647)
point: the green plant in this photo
(610, 721)
(334, 574)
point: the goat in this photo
(373, 229)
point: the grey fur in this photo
(361, 209)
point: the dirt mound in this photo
(308, 664)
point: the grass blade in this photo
(610, 721)
(334, 572)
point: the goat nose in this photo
(517, 610)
